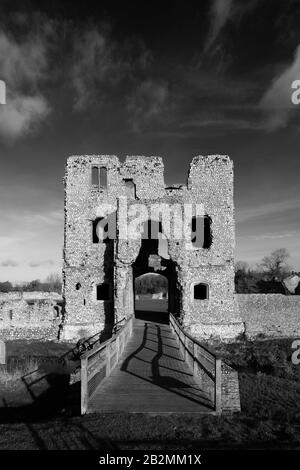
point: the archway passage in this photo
(151, 292)
(155, 279)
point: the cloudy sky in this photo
(125, 78)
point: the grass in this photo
(270, 417)
(11, 377)
(29, 371)
(41, 349)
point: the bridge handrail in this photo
(93, 347)
(199, 343)
(98, 362)
(205, 363)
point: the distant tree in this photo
(6, 286)
(241, 266)
(245, 279)
(275, 266)
(34, 285)
(151, 284)
(53, 283)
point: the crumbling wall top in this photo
(146, 161)
(108, 160)
(209, 161)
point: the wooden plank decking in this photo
(151, 376)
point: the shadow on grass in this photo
(75, 436)
(49, 390)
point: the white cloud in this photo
(8, 263)
(223, 11)
(220, 13)
(276, 102)
(270, 236)
(21, 114)
(225, 124)
(37, 264)
(99, 61)
(244, 215)
(23, 66)
(148, 103)
(51, 217)
(13, 240)
(24, 62)
(28, 218)
(32, 239)
(92, 64)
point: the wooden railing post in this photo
(118, 347)
(108, 360)
(115, 344)
(194, 359)
(2, 352)
(130, 326)
(84, 385)
(218, 386)
(197, 353)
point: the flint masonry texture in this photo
(88, 264)
(270, 315)
(39, 315)
(30, 315)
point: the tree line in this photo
(52, 283)
(266, 277)
(151, 284)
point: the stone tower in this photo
(104, 196)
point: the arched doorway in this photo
(151, 292)
(155, 277)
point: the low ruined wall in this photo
(35, 295)
(230, 390)
(32, 315)
(273, 315)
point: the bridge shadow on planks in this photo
(175, 376)
(151, 376)
(157, 317)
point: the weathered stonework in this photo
(230, 390)
(30, 315)
(88, 264)
(272, 315)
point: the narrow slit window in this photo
(103, 292)
(103, 177)
(95, 176)
(130, 188)
(200, 291)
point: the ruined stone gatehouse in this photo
(99, 272)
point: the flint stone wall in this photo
(272, 315)
(86, 264)
(230, 390)
(30, 315)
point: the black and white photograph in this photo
(149, 232)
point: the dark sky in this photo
(175, 79)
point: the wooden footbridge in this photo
(153, 367)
